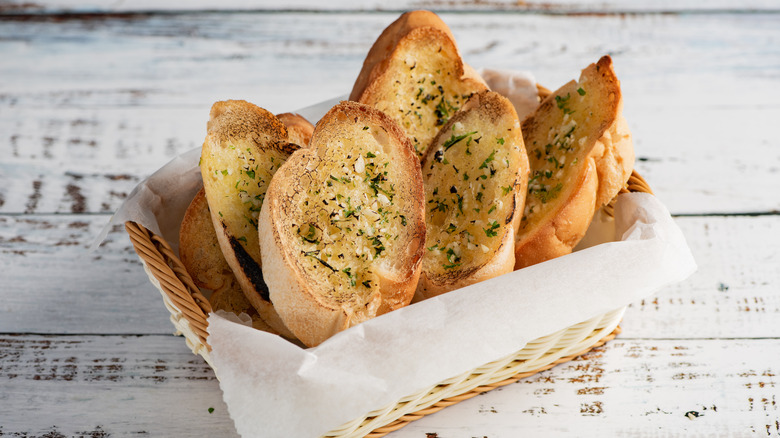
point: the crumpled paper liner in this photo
(274, 388)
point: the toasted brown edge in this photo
(606, 171)
(222, 126)
(299, 130)
(375, 62)
(189, 232)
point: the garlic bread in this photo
(244, 147)
(199, 249)
(415, 74)
(475, 176)
(581, 155)
(342, 226)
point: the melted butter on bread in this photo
(581, 155)
(475, 176)
(356, 217)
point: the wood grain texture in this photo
(734, 292)
(550, 7)
(630, 388)
(91, 105)
(153, 385)
(96, 96)
(53, 284)
(107, 386)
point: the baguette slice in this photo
(389, 38)
(475, 176)
(581, 155)
(245, 145)
(415, 74)
(199, 248)
(342, 227)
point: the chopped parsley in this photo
(562, 102)
(455, 139)
(545, 195)
(452, 259)
(491, 230)
(489, 159)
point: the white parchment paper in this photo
(274, 388)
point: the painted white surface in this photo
(91, 105)
(560, 6)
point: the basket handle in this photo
(174, 279)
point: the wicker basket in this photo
(189, 311)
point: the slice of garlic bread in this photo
(342, 226)
(244, 147)
(581, 155)
(475, 177)
(389, 38)
(415, 74)
(199, 249)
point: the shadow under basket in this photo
(189, 312)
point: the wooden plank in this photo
(631, 388)
(53, 284)
(124, 386)
(560, 6)
(107, 386)
(88, 106)
(732, 295)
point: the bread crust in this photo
(390, 37)
(496, 112)
(417, 77)
(199, 249)
(299, 130)
(601, 174)
(312, 309)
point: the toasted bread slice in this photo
(475, 176)
(389, 38)
(199, 249)
(342, 226)
(245, 145)
(581, 154)
(415, 74)
(202, 256)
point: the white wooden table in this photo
(94, 97)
